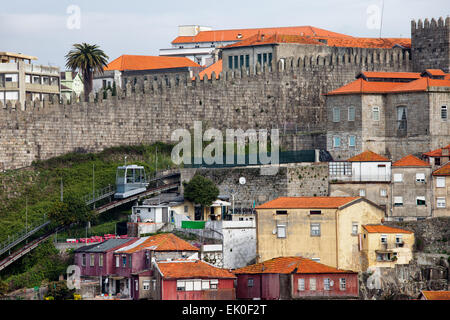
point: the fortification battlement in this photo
(352, 61)
(429, 25)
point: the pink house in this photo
(294, 278)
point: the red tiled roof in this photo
(307, 202)
(262, 39)
(357, 42)
(240, 34)
(134, 62)
(184, 269)
(215, 67)
(286, 265)
(410, 161)
(436, 295)
(437, 152)
(378, 228)
(367, 156)
(162, 242)
(443, 171)
(362, 86)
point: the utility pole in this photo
(62, 190)
(93, 184)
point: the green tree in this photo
(201, 190)
(4, 287)
(72, 210)
(87, 59)
(59, 291)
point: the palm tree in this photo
(87, 59)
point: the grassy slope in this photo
(40, 184)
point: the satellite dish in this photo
(242, 180)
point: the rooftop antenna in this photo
(382, 11)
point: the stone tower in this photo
(430, 44)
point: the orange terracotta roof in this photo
(188, 269)
(391, 75)
(410, 161)
(367, 156)
(362, 86)
(378, 228)
(436, 295)
(435, 72)
(160, 242)
(437, 152)
(286, 265)
(307, 202)
(443, 171)
(357, 42)
(262, 39)
(215, 67)
(134, 62)
(240, 34)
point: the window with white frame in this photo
(117, 261)
(312, 284)
(336, 142)
(83, 260)
(197, 285)
(154, 285)
(444, 113)
(398, 177)
(398, 201)
(352, 141)
(213, 283)
(420, 177)
(100, 260)
(146, 285)
(351, 113)
(440, 182)
(181, 285)
(205, 284)
(383, 192)
(315, 229)
(92, 260)
(136, 283)
(398, 238)
(440, 202)
(301, 284)
(420, 201)
(281, 231)
(376, 113)
(362, 192)
(189, 285)
(124, 261)
(383, 238)
(342, 284)
(315, 259)
(336, 114)
(354, 228)
(326, 284)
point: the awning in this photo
(193, 224)
(220, 203)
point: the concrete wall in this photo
(239, 243)
(409, 189)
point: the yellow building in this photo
(441, 191)
(384, 247)
(324, 229)
(194, 212)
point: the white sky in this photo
(39, 28)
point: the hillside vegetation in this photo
(34, 189)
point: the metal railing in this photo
(360, 178)
(99, 194)
(17, 238)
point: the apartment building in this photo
(20, 80)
